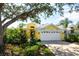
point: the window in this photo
(44, 32)
(32, 26)
(47, 32)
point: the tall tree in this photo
(65, 22)
(9, 13)
(1, 28)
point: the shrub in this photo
(74, 37)
(14, 36)
(11, 35)
(47, 52)
(23, 36)
(32, 50)
(38, 43)
(17, 50)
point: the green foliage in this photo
(65, 22)
(23, 36)
(14, 36)
(24, 48)
(35, 50)
(47, 8)
(32, 50)
(74, 37)
(10, 35)
(12, 10)
(17, 36)
(38, 43)
(1, 50)
(17, 49)
(47, 52)
(28, 50)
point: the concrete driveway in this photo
(62, 48)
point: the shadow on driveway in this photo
(59, 42)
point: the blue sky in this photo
(55, 19)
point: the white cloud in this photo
(61, 18)
(72, 16)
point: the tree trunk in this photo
(1, 35)
(1, 30)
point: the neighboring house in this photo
(45, 31)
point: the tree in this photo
(65, 22)
(14, 12)
(1, 28)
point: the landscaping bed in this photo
(27, 50)
(17, 44)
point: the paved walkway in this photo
(61, 48)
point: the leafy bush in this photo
(17, 50)
(36, 51)
(18, 36)
(28, 50)
(74, 37)
(14, 36)
(38, 43)
(47, 52)
(31, 50)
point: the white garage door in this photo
(47, 35)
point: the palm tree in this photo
(65, 23)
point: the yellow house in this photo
(53, 27)
(34, 26)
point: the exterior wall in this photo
(51, 27)
(31, 24)
(38, 33)
(62, 35)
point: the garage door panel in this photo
(50, 35)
